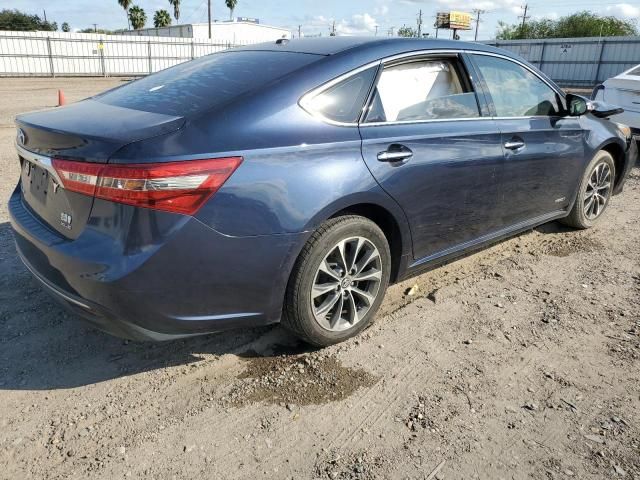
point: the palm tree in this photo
(231, 5)
(176, 8)
(137, 17)
(126, 4)
(161, 19)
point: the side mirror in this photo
(576, 105)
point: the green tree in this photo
(176, 8)
(137, 17)
(231, 5)
(66, 27)
(405, 31)
(581, 24)
(20, 21)
(126, 4)
(161, 18)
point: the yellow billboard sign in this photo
(454, 20)
(460, 20)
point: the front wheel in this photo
(338, 282)
(594, 192)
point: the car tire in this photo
(345, 261)
(596, 185)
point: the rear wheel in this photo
(338, 282)
(594, 192)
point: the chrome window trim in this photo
(40, 160)
(306, 98)
(432, 120)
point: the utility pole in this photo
(390, 32)
(376, 34)
(524, 16)
(209, 15)
(478, 12)
(95, 28)
(45, 15)
(420, 24)
(299, 31)
(333, 29)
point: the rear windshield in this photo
(206, 82)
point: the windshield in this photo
(635, 71)
(206, 82)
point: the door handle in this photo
(395, 153)
(514, 144)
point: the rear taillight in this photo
(181, 187)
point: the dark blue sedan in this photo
(293, 181)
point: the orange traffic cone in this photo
(61, 99)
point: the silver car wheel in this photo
(346, 284)
(598, 191)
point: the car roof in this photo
(334, 45)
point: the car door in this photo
(428, 145)
(543, 147)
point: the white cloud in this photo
(549, 16)
(514, 6)
(625, 10)
(357, 24)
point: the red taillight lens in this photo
(181, 187)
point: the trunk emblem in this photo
(21, 137)
(65, 220)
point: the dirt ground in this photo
(521, 361)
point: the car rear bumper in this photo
(141, 274)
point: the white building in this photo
(241, 31)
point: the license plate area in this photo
(36, 180)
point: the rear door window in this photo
(206, 82)
(424, 89)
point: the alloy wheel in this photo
(598, 191)
(346, 284)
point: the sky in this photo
(352, 17)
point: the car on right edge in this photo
(623, 90)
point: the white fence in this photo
(81, 54)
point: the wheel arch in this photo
(384, 212)
(617, 151)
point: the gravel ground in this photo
(520, 361)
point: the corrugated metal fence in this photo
(572, 62)
(77, 54)
(577, 62)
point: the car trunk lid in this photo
(88, 131)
